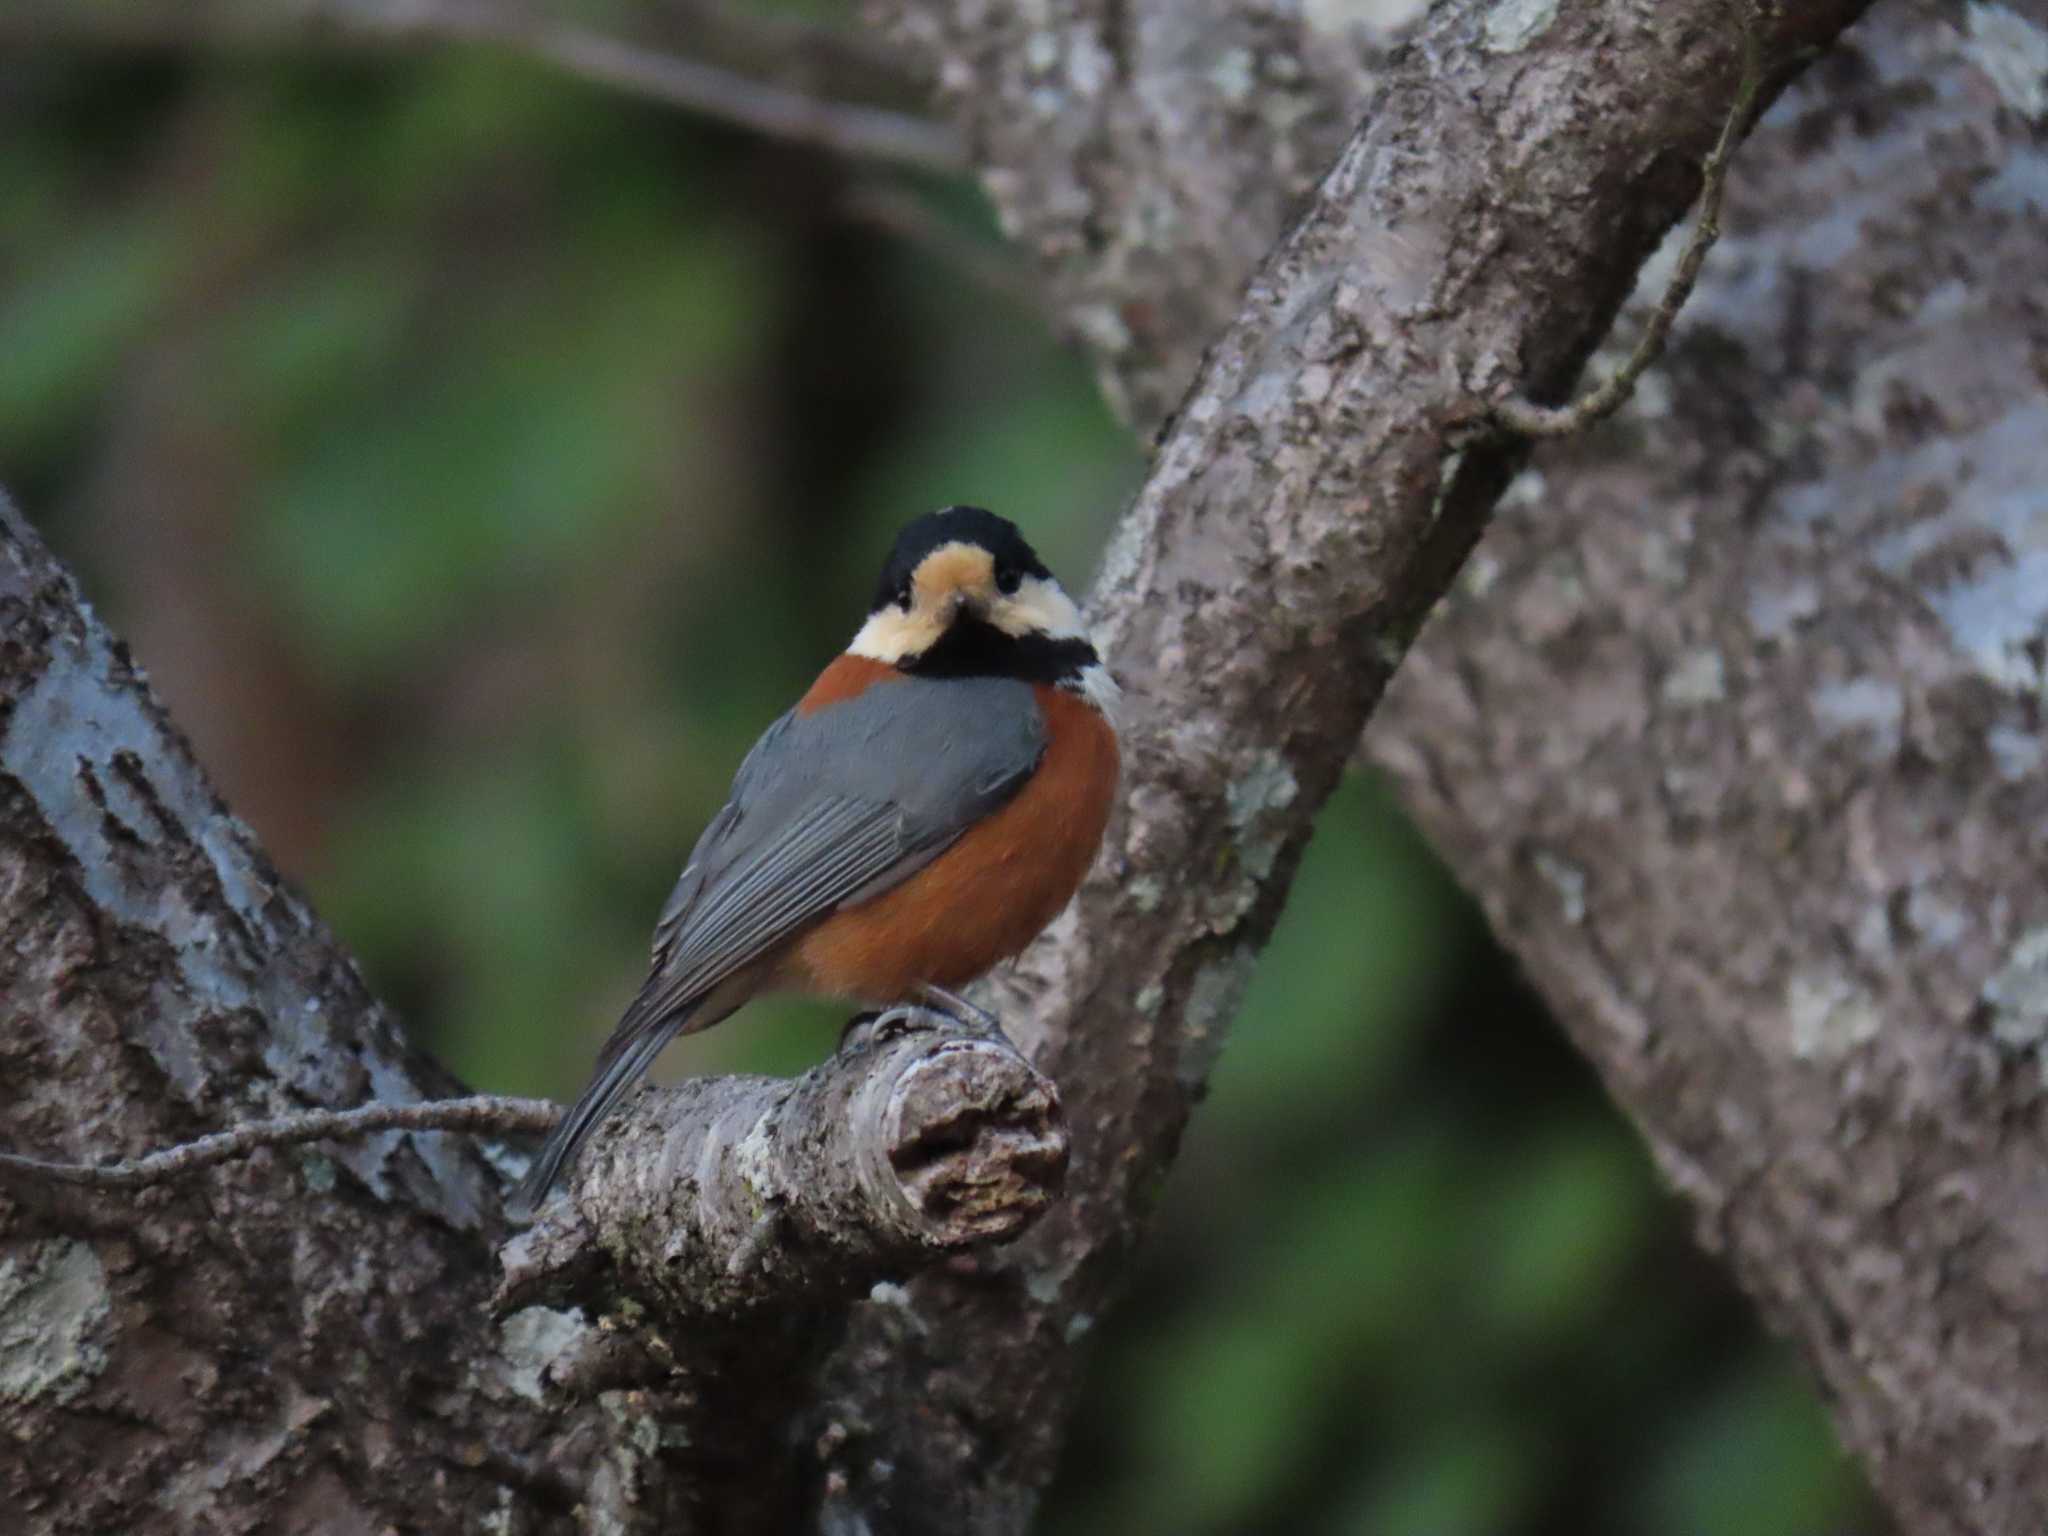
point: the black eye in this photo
(1008, 579)
(903, 595)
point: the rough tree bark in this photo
(1737, 724)
(1148, 154)
(741, 1194)
(1475, 237)
(1740, 731)
(278, 1344)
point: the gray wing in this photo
(839, 805)
(827, 809)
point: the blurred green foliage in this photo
(479, 461)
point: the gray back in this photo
(839, 805)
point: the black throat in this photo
(974, 648)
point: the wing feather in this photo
(834, 848)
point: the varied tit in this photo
(921, 814)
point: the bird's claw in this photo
(940, 1007)
(880, 1026)
(962, 1012)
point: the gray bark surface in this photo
(723, 1196)
(1737, 728)
(1147, 153)
(290, 1343)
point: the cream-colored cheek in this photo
(1040, 607)
(893, 634)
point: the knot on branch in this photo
(922, 1137)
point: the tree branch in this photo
(1604, 399)
(479, 1113)
(724, 1194)
(1147, 155)
(923, 1136)
(743, 91)
(843, 128)
(1734, 727)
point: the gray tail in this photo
(625, 1060)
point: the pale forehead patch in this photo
(952, 568)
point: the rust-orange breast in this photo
(991, 892)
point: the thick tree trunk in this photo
(296, 1342)
(1739, 729)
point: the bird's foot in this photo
(880, 1026)
(961, 1011)
(939, 1007)
(857, 1030)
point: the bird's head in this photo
(962, 594)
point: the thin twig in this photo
(1602, 401)
(851, 128)
(481, 1113)
(846, 128)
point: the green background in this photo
(478, 461)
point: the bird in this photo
(920, 815)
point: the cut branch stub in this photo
(975, 1148)
(922, 1137)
